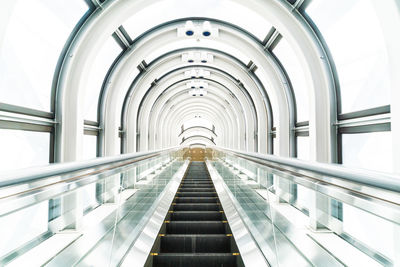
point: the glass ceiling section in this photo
(354, 36)
(30, 45)
(225, 10)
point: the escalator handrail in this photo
(36, 173)
(382, 180)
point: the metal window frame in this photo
(38, 121)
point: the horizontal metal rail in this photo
(41, 172)
(381, 180)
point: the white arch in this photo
(282, 106)
(227, 136)
(247, 81)
(224, 112)
(194, 101)
(169, 96)
(103, 22)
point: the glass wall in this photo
(22, 149)
(89, 146)
(382, 239)
(32, 36)
(368, 150)
(353, 32)
(29, 223)
(303, 147)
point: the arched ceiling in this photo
(216, 57)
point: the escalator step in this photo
(197, 194)
(196, 232)
(196, 206)
(196, 216)
(195, 244)
(196, 227)
(195, 260)
(196, 200)
(197, 182)
(198, 189)
(197, 186)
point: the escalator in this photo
(195, 231)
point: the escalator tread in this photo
(195, 231)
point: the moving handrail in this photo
(37, 173)
(26, 187)
(387, 181)
(360, 206)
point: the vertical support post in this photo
(72, 206)
(318, 211)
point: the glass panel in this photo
(260, 218)
(294, 69)
(132, 210)
(15, 230)
(354, 35)
(368, 150)
(89, 146)
(89, 199)
(54, 208)
(129, 218)
(303, 147)
(303, 200)
(365, 238)
(22, 149)
(337, 209)
(223, 10)
(104, 59)
(381, 238)
(32, 36)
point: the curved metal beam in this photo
(174, 71)
(248, 123)
(270, 139)
(254, 78)
(210, 97)
(275, 10)
(180, 115)
(197, 136)
(280, 105)
(232, 122)
(197, 127)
